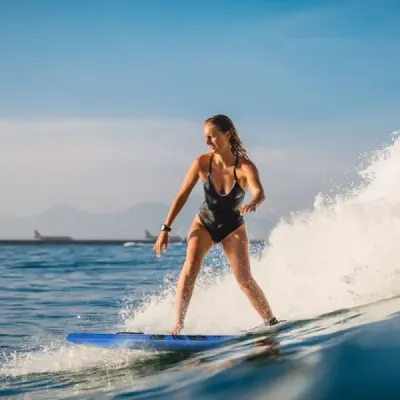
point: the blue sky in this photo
(254, 59)
(293, 74)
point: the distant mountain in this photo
(68, 221)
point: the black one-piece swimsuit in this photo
(220, 213)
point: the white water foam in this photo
(58, 357)
(343, 253)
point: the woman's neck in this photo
(225, 158)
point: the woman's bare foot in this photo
(272, 321)
(177, 330)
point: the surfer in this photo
(226, 172)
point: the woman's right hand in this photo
(161, 243)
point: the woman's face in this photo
(215, 139)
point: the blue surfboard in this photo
(154, 342)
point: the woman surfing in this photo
(226, 172)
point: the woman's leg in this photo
(199, 243)
(236, 248)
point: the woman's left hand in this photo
(248, 208)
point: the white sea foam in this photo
(342, 253)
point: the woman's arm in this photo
(255, 185)
(180, 199)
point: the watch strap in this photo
(165, 228)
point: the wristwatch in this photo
(165, 228)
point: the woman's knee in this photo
(192, 267)
(246, 282)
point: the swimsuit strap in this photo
(209, 168)
(234, 168)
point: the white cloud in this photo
(108, 165)
(95, 164)
(83, 143)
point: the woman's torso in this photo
(224, 188)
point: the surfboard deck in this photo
(154, 342)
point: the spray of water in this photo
(57, 357)
(342, 253)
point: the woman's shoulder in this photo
(246, 165)
(203, 160)
(245, 162)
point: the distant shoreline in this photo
(98, 242)
(78, 241)
(39, 239)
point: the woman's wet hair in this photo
(225, 124)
